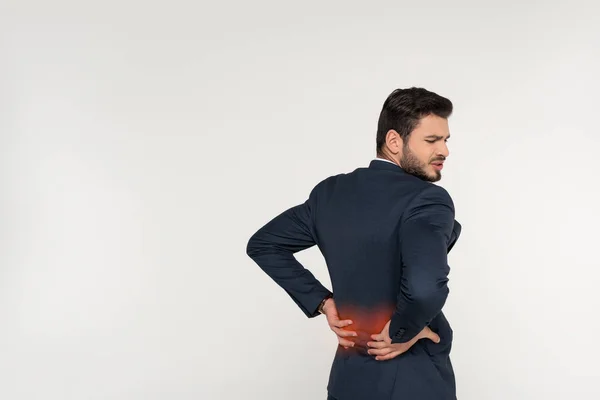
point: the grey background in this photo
(142, 143)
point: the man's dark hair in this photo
(404, 108)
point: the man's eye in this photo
(430, 141)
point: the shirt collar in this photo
(381, 163)
(383, 159)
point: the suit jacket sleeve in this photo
(425, 235)
(273, 246)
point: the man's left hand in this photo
(384, 349)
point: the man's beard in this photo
(411, 164)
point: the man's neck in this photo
(382, 158)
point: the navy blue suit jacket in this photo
(385, 236)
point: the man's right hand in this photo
(337, 325)
(384, 349)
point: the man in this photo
(385, 232)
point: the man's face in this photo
(425, 151)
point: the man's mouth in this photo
(438, 165)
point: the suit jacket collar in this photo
(383, 164)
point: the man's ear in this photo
(394, 141)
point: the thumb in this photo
(434, 337)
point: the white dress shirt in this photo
(383, 159)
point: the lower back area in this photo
(366, 320)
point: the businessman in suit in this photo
(385, 232)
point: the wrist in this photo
(324, 305)
(327, 305)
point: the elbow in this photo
(252, 247)
(430, 300)
(257, 245)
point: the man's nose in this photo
(443, 150)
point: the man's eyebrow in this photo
(433, 136)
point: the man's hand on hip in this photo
(383, 348)
(337, 325)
